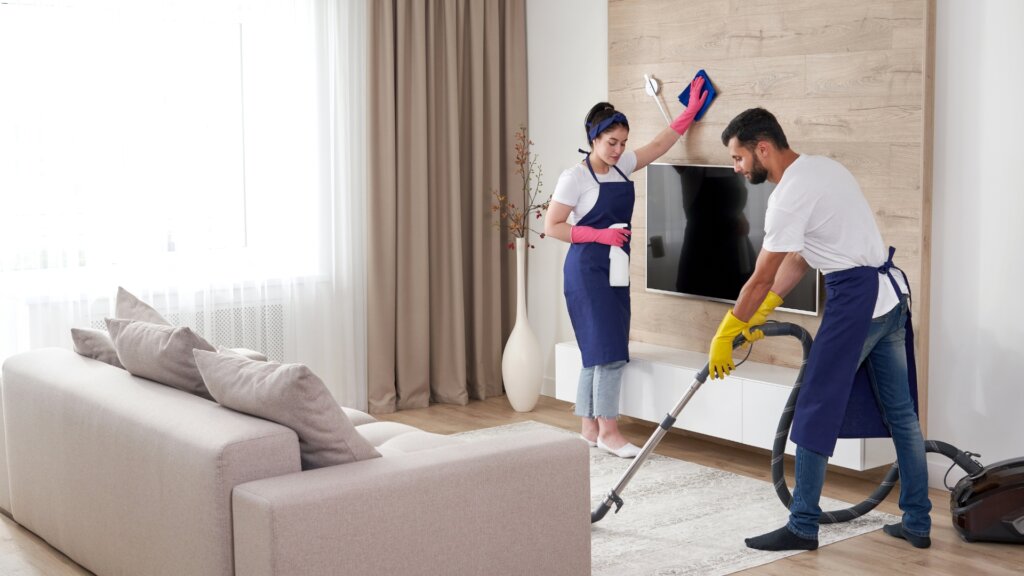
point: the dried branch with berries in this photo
(520, 220)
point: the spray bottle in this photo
(618, 263)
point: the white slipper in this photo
(627, 450)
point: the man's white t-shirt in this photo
(577, 188)
(818, 210)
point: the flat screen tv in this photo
(705, 226)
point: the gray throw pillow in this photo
(291, 395)
(98, 345)
(95, 344)
(160, 353)
(128, 306)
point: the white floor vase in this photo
(522, 363)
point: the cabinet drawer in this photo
(651, 390)
(738, 409)
(762, 407)
(568, 363)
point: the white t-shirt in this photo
(819, 211)
(577, 188)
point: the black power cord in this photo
(750, 348)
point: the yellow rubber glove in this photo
(771, 302)
(720, 362)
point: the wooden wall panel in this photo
(846, 79)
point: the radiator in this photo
(258, 327)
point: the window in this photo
(139, 131)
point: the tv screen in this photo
(705, 227)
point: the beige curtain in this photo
(447, 90)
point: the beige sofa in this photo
(129, 477)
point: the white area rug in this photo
(683, 518)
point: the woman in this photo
(599, 195)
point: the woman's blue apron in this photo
(600, 312)
(837, 398)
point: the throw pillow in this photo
(128, 306)
(132, 308)
(291, 395)
(160, 353)
(95, 344)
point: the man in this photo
(817, 216)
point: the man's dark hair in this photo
(754, 125)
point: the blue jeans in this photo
(598, 391)
(885, 351)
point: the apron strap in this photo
(591, 168)
(887, 269)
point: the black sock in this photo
(781, 539)
(897, 531)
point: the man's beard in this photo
(758, 174)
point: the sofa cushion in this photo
(394, 437)
(128, 306)
(418, 441)
(357, 417)
(160, 353)
(377, 433)
(95, 344)
(291, 395)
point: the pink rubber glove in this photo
(683, 121)
(609, 236)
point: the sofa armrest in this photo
(515, 505)
(127, 476)
(5, 482)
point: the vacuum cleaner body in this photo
(989, 506)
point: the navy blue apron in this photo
(837, 397)
(600, 312)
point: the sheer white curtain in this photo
(207, 156)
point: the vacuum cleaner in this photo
(987, 505)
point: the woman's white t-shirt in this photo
(818, 210)
(577, 188)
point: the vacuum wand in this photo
(613, 498)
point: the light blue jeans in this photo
(885, 350)
(598, 391)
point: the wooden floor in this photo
(874, 553)
(23, 554)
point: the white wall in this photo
(567, 62)
(976, 366)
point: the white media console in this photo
(744, 407)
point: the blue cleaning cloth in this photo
(684, 96)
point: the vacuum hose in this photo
(959, 457)
(614, 499)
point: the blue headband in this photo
(617, 118)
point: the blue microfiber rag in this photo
(684, 96)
